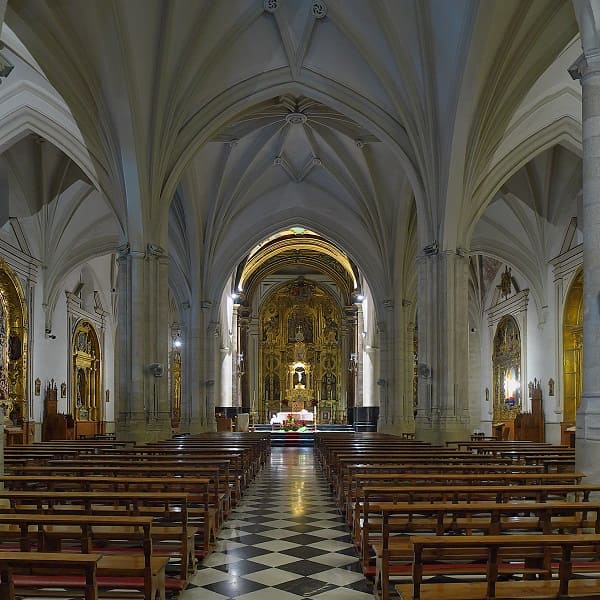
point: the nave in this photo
(286, 540)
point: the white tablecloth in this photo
(304, 415)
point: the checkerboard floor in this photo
(284, 541)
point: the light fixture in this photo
(176, 335)
(235, 296)
(241, 365)
(353, 362)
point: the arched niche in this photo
(572, 349)
(86, 381)
(13, 353)
(506, 361)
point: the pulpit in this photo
(55, 426)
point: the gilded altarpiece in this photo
(573, 348)
(507, 370)
(175, 374)
(13, 350)
(300, 352)
(87, 392)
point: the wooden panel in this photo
(86, 429)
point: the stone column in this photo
(443, 410)
(383, 364)
(405, 346)
(210, 352)
(143, 397)
(587, 69)
(360, 348)
(236, 395)
(192, 377)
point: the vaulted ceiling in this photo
(377, 124)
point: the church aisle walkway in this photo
(284, 541)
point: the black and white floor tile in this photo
(284, 541)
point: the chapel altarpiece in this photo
(13, 349)
(86, 383)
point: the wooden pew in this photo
(171, 534)
(493, 554)
(139, 571)
(429, 470)
(214, 468)
(376, 475)
(19, 573)
(200, 512)
(485, 518)
(367, 524)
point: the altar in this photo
(303, 415)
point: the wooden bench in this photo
(136, 570)
(200, 512)
(377, 476)
(501, 555)
(486, 518)
(171, 534)
(366, 521)
(20, 573)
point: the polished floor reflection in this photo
(284, 541)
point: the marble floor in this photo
(284, 541)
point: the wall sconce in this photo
(241, 365)
(176, 336)
(353, 362)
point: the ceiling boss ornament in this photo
(295, 118)
(271, 6)
(319, 9)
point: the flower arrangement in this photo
(290, 424)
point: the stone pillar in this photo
(443, 410)
(360, 348)
(405, 345)
(192, 378)
(383, 363)
(143, 395)
(587, 69)
(236, 394)
(210, 352)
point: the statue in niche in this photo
(331, 330)
(14, 347)
(328, 387)
(299, 378)
(270, 328)
(2, 326)
(300, 290)
(80, 388)
(506, 283)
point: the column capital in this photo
(586, 64)
(155, 251)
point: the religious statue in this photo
(506, 283)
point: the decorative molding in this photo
(431, 249)
(514, 305)
(6, 67)
(319, 9)
(270, 6)
(567, 263)
(577, 69)
(296, 118)
(26, 267)
(155, 250)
